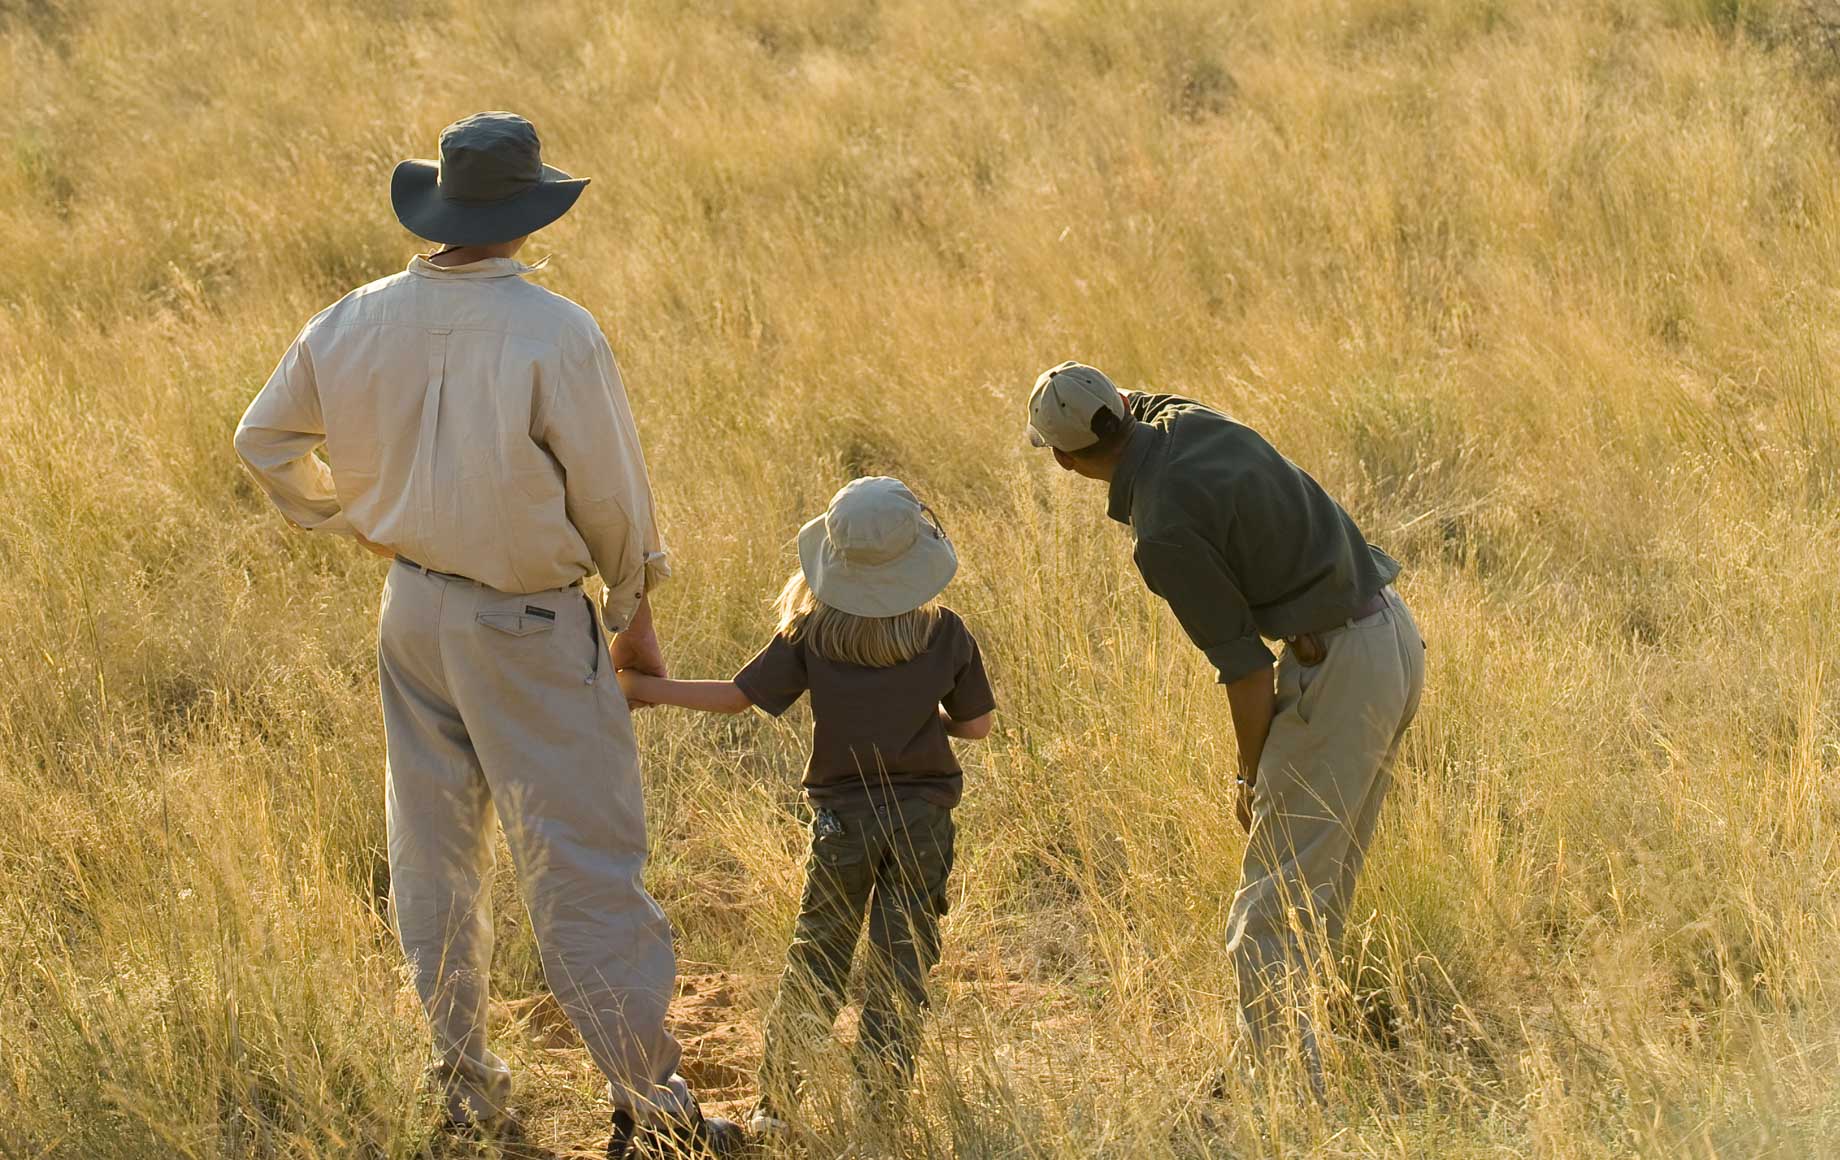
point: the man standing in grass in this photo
(1245, 547)
(479, 434)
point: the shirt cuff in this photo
(623, 595)
(657, 569)
(1238, 658)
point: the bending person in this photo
(1245, 547)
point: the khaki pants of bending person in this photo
(499, 705)
(1324, 773)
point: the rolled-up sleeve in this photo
(1206, 598)
(278, 440)
(587, 424)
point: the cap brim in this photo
(1037, 439)
(415, 195)
(901, 585)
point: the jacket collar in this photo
(484, 268)
(1143, 439)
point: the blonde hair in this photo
(874, 642)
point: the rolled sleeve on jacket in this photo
(1189, 575)
(1240, 658)
(587, 424)
(279, 437)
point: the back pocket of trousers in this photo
(526, 621)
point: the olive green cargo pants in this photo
(504, 706)
(892, 861)
(1324, 773)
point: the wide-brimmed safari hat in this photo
(878, 551)
(1063, 403)
(490, 184)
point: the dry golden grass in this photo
(1541, 290)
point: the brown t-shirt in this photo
(876, 733)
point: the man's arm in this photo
(1205, 596)
(277, 440)
(1189, 574)
(1253, 700)
(586, 422)
(636, 646)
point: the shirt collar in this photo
(484, 268)
(1137, 447)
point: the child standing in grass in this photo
(892, 674)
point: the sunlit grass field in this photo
(1541, 290)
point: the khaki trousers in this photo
(890, 862)
(1323, 775)
(504, 706)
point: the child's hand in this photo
(634, 684)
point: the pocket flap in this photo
(513, 622)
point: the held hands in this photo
(637, 661)
(636, 685)
(637, 649)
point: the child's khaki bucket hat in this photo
(877, 551)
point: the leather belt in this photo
(1376, 603)
(426, 570)
(1308, 647)
(423, 568)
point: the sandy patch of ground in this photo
(712, 1016)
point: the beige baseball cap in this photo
(877, 551)
(1062, 406)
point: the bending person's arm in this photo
(1205, 596)
(1254, 703)
(1253, 699)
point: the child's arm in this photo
(708, 696)
(974, 729)
(966, 710)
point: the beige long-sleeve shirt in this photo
(473, 422)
